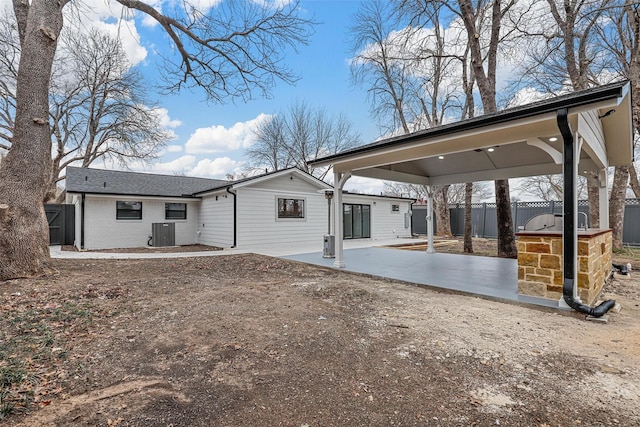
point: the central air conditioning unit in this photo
(163, 234)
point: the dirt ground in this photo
(249, 340)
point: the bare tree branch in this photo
(300, 134)
(234, 49)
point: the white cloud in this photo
(180, 165)
(174, 148)
(188, 165)
(216, 168)
(217, 139)
(147, 20)
(105, 16)
(276, 4)
(127, 33)
(526, 96)
(111, 18)
(165, 120)
(205, 6)
(358, 184)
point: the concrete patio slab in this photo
(485, 276)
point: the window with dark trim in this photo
(395, 208)
(290, 208)
(128, 210)
(356, 221)
(175, 211)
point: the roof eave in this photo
(595, 98)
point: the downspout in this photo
(569, 231)
(411, 217)
(235, 217)
(82, 222)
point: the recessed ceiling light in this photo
(441, 157)
(553, 139)
(491, 150)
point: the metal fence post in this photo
(484, 218)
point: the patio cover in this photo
(518, 142)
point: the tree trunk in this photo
(24, 173)
(506, 238)
(616, 204)
(633, 180)
(442, 211)
(468, 241)
(486, 81)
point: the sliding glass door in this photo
(357, 221)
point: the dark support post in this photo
(82, 222)
(568, 196)
(569, 238)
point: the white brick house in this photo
(117, 209)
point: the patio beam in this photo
(391, 175)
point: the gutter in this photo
(235, 216)
(82, 221)
(569, 221)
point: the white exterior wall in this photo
(385, 224)
(215, 220)
(258, 222)
(210, 221)
(102, 230)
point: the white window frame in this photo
(291, 219)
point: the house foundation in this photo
(540, 263)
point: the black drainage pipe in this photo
(569, 231)
(82, 221)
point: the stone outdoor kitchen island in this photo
(540, 263)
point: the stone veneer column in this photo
(540, 264)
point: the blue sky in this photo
(211, 138)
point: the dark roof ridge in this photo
(144, 173)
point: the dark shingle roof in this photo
(100, 181)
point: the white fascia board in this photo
(142, 198)
(618, 131)
(213, 192)
(310, 179)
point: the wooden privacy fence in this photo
(61, 219)
(484, 223)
